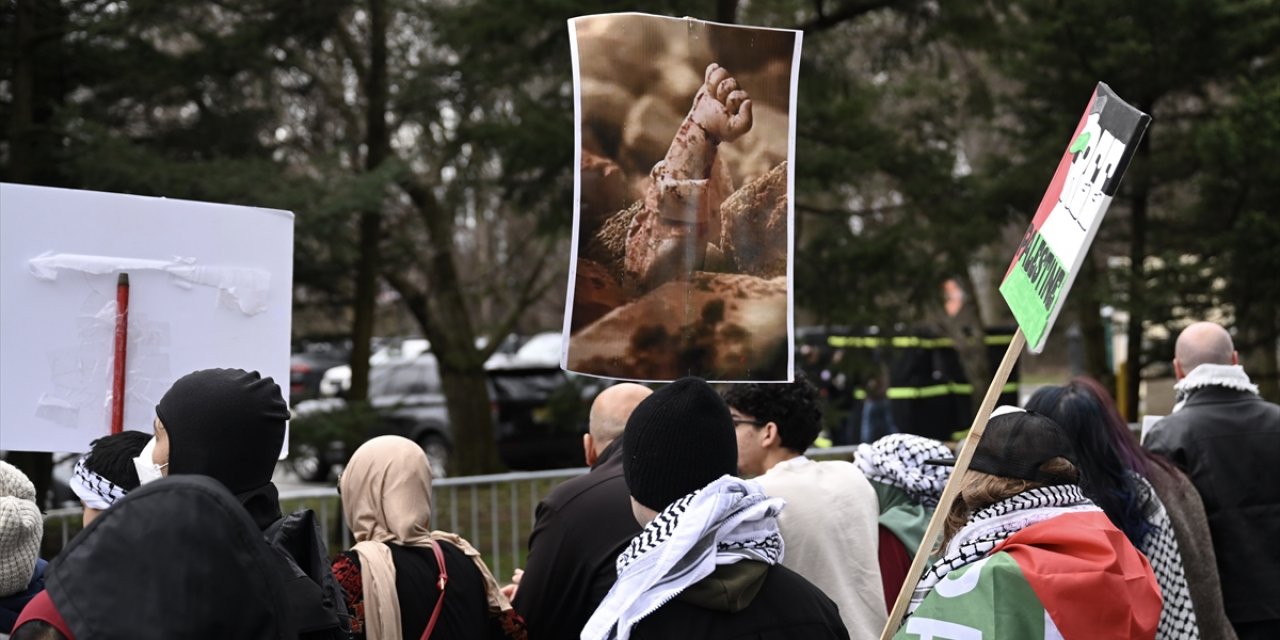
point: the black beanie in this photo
(224, 423)
(678, 440)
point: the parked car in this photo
(307, 368)
(540, 414)
(337, 380)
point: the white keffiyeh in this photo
(94, 490)
(989, 526)
(728, 521)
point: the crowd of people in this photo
(700, 517)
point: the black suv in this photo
(540, 414)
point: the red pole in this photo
(122, 340)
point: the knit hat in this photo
(677, 440)
(1015, 444)
(21, 529)
(15, 483)
(225, 423)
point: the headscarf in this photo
(386, 498)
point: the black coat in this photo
(1228, 442)
(176, 558)
(581, 527)
(727, 606)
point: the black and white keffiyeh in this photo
(728, 521)
(94, 490)
(989, 526)
(1178, 617)
(898, 460)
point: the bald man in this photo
(581, 527)
(1227, 439)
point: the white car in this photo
(337, 380)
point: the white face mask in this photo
(148, 470)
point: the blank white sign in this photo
(210, 286)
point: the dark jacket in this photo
(464, 613)
(581, 527)
(1228, 442)
(747, 600)
(11, 605)
(176, 558)
(302, 562)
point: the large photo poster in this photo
(683, 231)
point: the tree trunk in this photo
(378, 146)
(1140, 190)
(38, 90)
(727, 11)
(1094, 334)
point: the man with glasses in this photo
(831, 518)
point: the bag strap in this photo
(440, 584)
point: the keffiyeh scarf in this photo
(1231, 376)
(728, 521)
(989, 526)
(1178, 617)
(94, 490)
(898, 460)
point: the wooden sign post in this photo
(1041, 273)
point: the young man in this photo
(705, 564)
(831, 523)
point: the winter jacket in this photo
(11, 605)
(1228, 442)
(746, 600)
(176, 558)
(581, 527)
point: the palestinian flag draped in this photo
(1073, 577)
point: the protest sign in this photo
(1054, 247)
(682, 237)
(209, 286)
(1036, 285)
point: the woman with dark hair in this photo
(1153, 503)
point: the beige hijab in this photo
(386, 497)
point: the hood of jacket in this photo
(731, 587)
(176, 558)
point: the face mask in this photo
(148, 470)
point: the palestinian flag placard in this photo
(1070, 213)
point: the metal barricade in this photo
(495, 513)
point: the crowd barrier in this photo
(494, 512)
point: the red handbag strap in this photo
(440, 584)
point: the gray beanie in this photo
(21, 529)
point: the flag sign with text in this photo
(1068, 218)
